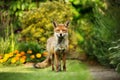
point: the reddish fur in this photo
(54, 56)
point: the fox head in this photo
(61, 30)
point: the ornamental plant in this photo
(17, 57)
(32, 48)
(26, 52)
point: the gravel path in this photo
(102, 73)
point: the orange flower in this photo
(22, 60)
(16, 58)
(22, 53)
(45, 54)
(16, 51)
(29, 51)
(1, 57)
(18, 55)
(24, 57)
(13, 60)
(38, 55)
(32, 56)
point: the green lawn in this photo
(75, 71)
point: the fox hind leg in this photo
(52, 62)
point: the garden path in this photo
(102, 73)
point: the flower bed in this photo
(19, 57)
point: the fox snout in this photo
(60, 35)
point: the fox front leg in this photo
(57, 62)
(64, 62)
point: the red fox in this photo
(57, 48)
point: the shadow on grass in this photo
(13, 76)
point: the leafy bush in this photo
(115, 54)
(96, 23)
(37, 23)
(84, 18)
(15, 9)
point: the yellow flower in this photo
(6, 56)
(38, 55)
(22, 60)
(32, 56)
(1, 61)
(10, 54)
(29, 51)
(13, 60)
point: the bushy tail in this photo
(44, 64)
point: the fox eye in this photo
(57, 30)
(64, 30)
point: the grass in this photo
(75, 71)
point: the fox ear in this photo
(54, 24)
(67, 23)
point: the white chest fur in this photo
(61, 46)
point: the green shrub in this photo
(115, 55)
(31, 46)
(37, 23)
(85, 18)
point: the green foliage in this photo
(96, 23)
(19, 6)
(99, 40)
(115, 54)
(37, 23)
(8, 43)
(34, 47)
(15, 9)
(106, 24)
(4, 23)
(4, 45)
